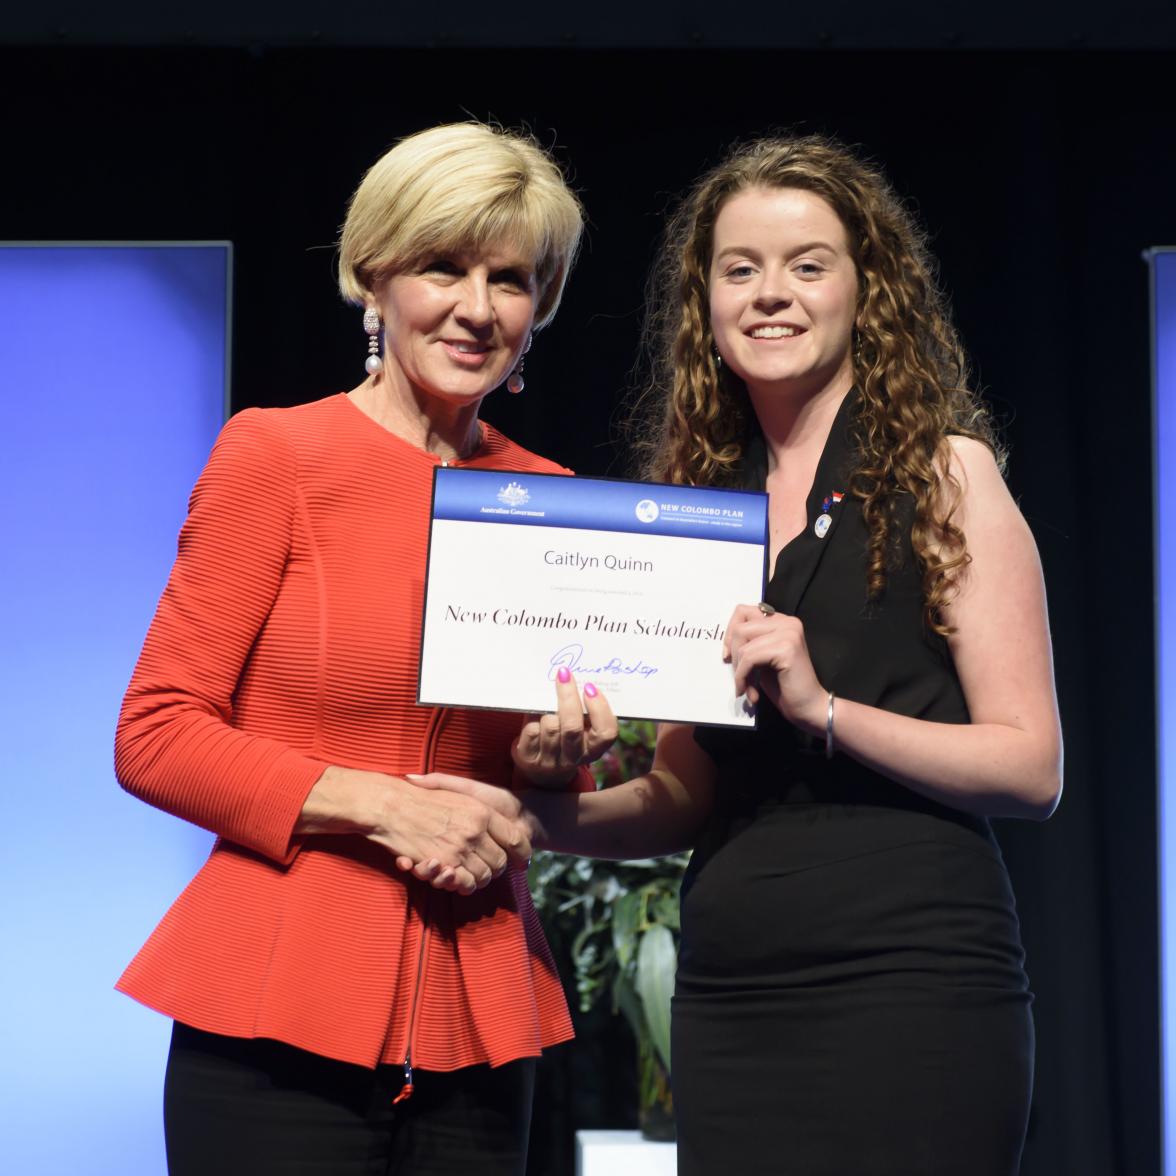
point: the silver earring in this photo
(718, 360)
(515, 382)
(371, 324)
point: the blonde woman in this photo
(850, 994)
(332, 1013)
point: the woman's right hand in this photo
(510, 805)
(437, 831)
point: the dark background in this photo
(1038, 149)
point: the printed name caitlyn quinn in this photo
(580, 561)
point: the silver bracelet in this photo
(829, 727)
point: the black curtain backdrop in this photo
(1040, 176)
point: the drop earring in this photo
(515, 382)
(371, 324)
(718, 361)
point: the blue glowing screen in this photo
(113, 378)
(1163, 262)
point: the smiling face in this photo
(455, 324)
(783, 292)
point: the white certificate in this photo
(627, 584)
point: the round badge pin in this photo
(822, 525)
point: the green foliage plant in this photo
(617, 924)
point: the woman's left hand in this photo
(770, 657)
(551, 749)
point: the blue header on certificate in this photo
(552, 500)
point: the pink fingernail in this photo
(564, 674)
(591, 691)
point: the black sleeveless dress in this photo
(850, 997)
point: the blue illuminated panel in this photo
(1164, 338)
(113, 377)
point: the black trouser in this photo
(249, 1107)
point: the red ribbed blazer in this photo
(287, 639)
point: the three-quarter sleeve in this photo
(176, 746)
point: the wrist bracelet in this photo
(829, 727)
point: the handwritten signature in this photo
(570, 656)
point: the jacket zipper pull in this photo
(406, 1090)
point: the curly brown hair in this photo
(693, 418)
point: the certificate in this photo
(629, 585)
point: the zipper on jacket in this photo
(436, 720)
(407, 1089)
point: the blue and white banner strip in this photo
(1163, 291)
(597, 504)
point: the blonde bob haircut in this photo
(454, 189)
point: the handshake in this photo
(459, 834)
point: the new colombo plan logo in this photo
(512, 494)
(647, 510)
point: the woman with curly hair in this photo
(850, 994)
